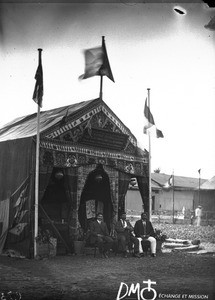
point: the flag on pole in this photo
(20, 214)
(169, 182)
(38, 90)
(97, 63)
(211, 24)
(199, 171)
(151, 123)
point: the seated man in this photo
(143, 229)
(125, 235)
(99, 234)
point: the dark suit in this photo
(125, 236)
(99, 233)
(139, 229)
(146, 233)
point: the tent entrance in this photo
(54, 201)
(56, 206)
(95, 198)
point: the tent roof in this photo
(23, 127)
(209, 184)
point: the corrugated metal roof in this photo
(179, 181)
(209, 184)
(158, 180)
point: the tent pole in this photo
(150, 189)
(37, 183)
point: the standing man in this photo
(125, 235)
(198, 214)
(99, 234)
(143, 229)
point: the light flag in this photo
(150, 126)
(169, 182)
(97, 63)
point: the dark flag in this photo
(38, 90)
(151, 123)
(148, 115)
(20, 214)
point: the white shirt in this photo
(124, 223)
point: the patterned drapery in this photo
(124, 180)
(143, 185)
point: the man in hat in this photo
(198, 214)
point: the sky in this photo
(149, 45)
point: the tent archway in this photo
(96, 197)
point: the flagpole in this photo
(199, 183)
(173, 198)
(37, 174)
(101, 87)
(101, 75)
(150, 189)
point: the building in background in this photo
(185, 197)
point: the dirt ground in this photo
(177, 275)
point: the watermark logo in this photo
(146, 293)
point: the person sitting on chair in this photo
(125, 235)
(99, 234)
(143, 229)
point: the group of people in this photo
(127, 238)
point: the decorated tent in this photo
(87, 158)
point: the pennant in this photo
(38, 90)
(97, 63)
(150, 126)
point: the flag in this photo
(211, 24)
(199, 171)
(169, 182)
(4, 221)
(38, 90)
(97, 63)
(150, 126)
(159, 133)
(20, 214)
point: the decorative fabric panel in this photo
(63, 156)
(124, 180)
(143, 184)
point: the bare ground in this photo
(86, 277)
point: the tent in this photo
(87, 158)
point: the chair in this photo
(90, 246)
